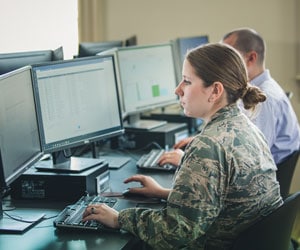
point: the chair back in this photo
(272, 231)
(285, 172)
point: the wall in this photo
(38, 25)
(159, 21)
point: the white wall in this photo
(38, 25)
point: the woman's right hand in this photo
(149, 187)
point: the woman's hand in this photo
(102, 213)
(172, 157)
(149, 188)
(182, 143)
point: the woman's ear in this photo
(217, 91)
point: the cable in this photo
(17, 218)
(51, 217)
(20, 219)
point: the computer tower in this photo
(42, 185)
(174, 114)
(165, 135)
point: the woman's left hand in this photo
(172, 157)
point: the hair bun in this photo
(252, 96)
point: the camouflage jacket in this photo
(225, 182)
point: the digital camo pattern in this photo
(226, 181)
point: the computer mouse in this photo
(126, 193)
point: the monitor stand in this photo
(114, 161)
(135, 122)
(62, 164)
(18, 223)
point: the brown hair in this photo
(222, 63)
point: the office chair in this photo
(285, 171)
(273, 231)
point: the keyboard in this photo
(149, 161)
(71, 216)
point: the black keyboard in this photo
(149, 161)
(71, 216)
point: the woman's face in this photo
(194, 97)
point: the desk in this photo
(45, 237)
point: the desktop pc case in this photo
(42, 185)
(192, 123)
(165, 135)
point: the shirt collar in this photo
(225, 112)
(258, 80)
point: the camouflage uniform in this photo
(226, 181)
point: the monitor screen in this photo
(19, 138)
(12, 61)
(93, 48)
(182, 45)
(77, 102)
(147, 79)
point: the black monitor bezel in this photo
(77, 141)
(131, 41)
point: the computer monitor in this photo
(131, 41)
(182, 45)
(92, 48)
(77, 103)
(148, 80)
(19, 140)
(15, 60)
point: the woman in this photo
(226, 179)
